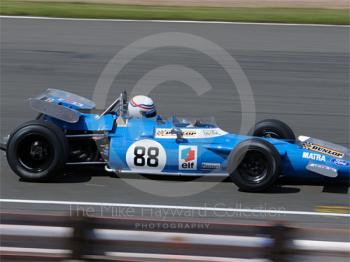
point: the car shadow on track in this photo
(74, 175)
(64, 178)
(328, 185)
(279, 189)
(284, 185)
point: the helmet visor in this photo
(149, 113)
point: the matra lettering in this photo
(314, 156)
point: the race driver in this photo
(141, 106)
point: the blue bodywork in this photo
(151, 145)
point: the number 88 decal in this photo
(152, 153)
(146, 154)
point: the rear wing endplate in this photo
(54, 110)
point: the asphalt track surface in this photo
(299, 74)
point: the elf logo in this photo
(187, 157)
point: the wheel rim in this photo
(35, 153)
(270, 134)
(254, 167)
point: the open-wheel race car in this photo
(69, 131)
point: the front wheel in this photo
(37, 150)
(254, 165)
(272, 128)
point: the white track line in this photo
(166, 21)
(195, 208)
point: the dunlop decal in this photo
(323, 150)
(167, 133)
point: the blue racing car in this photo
(129, 137)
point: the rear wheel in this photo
(254, 165)
(37, 150)
(272, 128)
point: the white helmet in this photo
(141, 106)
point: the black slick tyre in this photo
(254, 165)
(272, 128)
(37, 151)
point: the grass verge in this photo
(87, 10)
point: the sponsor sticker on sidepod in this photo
(323, 150)
(187, 157)
(340, 162)
(314, 156)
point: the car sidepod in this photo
(146, 146)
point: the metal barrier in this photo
(37, 237)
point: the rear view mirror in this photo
(178, 132)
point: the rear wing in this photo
(66, 106)
(61, 104)
(60, 112)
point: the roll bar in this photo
(120, 103)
